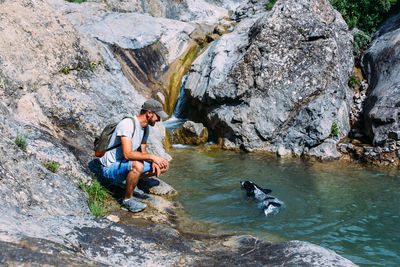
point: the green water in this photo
(347, 208)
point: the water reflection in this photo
(350, 209)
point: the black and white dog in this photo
(270, 204)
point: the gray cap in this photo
(156, 107)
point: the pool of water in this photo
(350, 209)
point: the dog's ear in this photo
(266, 190)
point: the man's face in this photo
(153, 118)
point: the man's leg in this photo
(133, 178)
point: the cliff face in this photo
(381, 65)
(282, 82)
(64, 75)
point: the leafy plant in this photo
(365, 15)
(354, 81)
(21, 141)
(334, 130)
(52, 166)
(97, 195)
(65, 70)
(270, 5)
(93, 66)
(361, 40)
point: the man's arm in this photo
(129, 154)
(143, 146)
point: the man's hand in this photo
(156, 169)
(161, 162)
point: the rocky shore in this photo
(259, 80)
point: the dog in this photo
(269, 204)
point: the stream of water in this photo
(350, 209)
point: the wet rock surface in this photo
(281, 84)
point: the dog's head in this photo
(247, 185)
(254, 190)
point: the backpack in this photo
(101, 142)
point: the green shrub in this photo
(97, 195)
(365, 15)
(270, 4)
(361, 40)
(21, 141)
(52, 166)
(354, 81)
(334, 130)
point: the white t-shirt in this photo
(124, 128)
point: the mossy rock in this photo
(191, 133)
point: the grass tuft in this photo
(21, 141)
(52, 166)
(354, 81)
(334, 130)
(65, 70)
(97, 195)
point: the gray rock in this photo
(381, 66)
(292, 255)
(343, 148)
(325, 151)
(190, 133)
(251, 8)
(368, 149)
(193, 127)
(199, 11)
(282, 85)
(156, 186)
(394, 135)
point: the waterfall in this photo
(180, 110)
(179, 115)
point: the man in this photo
(125, 162)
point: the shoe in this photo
(133, 205)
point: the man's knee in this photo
(137, 166)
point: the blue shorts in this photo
(116, 173)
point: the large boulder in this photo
(191, 133)
(381, 67)
(282, 85)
